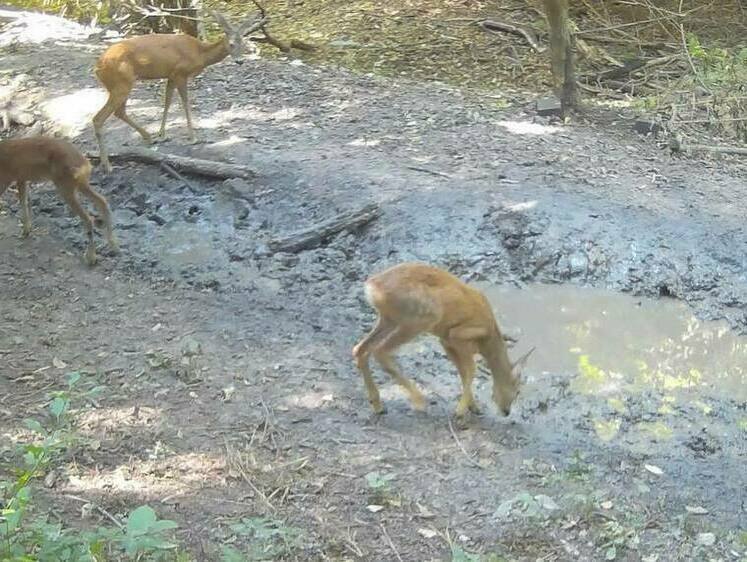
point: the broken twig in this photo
(176, 175)
(493, 26)
(677, 145)
(428, 171)
(317, 235)
(197, 166)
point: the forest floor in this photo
(229, 388)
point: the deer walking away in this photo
(31, 159)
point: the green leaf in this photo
(58, 406)
(611, 553)
(140, 520)
(163, 525)
(230, 554)
(34, 426)
(73, 378)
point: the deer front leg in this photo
(461, 353)
(23, 200)
(167, 97)
(181, 86)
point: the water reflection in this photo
(637, 362)
(616, 342)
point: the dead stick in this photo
(472, 461)
(99, 509)
(197, 166)
(427, 171)
(174, 174)
(676, 145)
(492, 26)
(391, 543)
(317, 235)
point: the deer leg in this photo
(361, 354)
(115, 100)
(102, 206)
(167, 97)
(181, 86)
(122, 114)
(23, 201)
(68, 193)
(463, 357)
(382, 352)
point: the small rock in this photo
(549, 106)
(653, 469)
(706, 539)
(696, 510)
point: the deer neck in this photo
(495, 354)
(214, 52)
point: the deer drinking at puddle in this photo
(173, 57)
(414, 298)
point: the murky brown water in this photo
(616, 343)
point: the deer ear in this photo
(221, 21)
(519, 364)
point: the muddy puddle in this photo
(640, 373)
(619, 343)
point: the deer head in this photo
(506, 389)
(235, 35)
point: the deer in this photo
(173, 57)
(415, 298)
(32, 159)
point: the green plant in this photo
(615, 537)
(27, 538)
(379, 482)
(145, 532)
(269, 539)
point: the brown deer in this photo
(33, 159)
(175, 58)
(415, 298)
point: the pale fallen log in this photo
(318, 234)
(677, 145)
(186, 164)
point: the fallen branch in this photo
(493, 26)
(317, 235)
(196, 166)
(428, 171)
(677, 145)
(284, 46)
(176, 175)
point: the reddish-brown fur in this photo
(415, 298)
(175, 58)
(34, 159)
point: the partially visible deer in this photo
(31, 159)
(415, 298)
(175, 58)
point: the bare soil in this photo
(230, 391)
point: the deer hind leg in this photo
(23, 201)
(462, 355)
(383, 354)
(116, 98)
(68, 192)
(167, 97)
(121, 112)
(181, 86)
(102, 206)
(361, 354)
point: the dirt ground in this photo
(230, 391)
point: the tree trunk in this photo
(561, 49)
